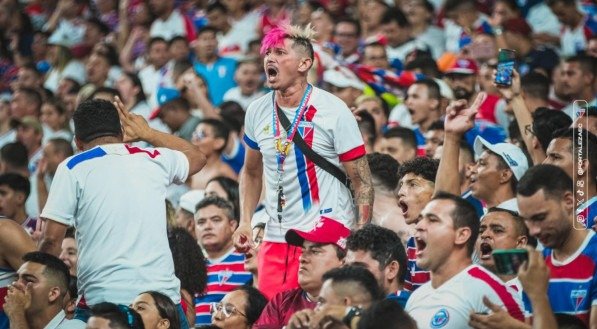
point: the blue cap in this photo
(164, 95)
(167, 94)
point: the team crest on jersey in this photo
(266, 129)
(305, 128)
(440, 319)
(577, 297)
(224, 276)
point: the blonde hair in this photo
(366, 98)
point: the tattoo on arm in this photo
(363, 189)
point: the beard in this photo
(461, 93)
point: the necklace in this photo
(282, 143)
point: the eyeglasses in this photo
(227, 309)
(199, 135)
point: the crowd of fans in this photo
(148, 178)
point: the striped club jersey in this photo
(421, 141)
(329, 128)
(7, 276)
(449, 307)
(415, 276)
(223, 275)
(572, 282)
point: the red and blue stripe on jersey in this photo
(306, 174)
(421, 141)
(415, 276)
(222, 278)
(573, 285)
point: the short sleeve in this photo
(63, 197)
(249, 137)
(348, 141)
(176, 164)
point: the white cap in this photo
(342, 80)
(512, 155)
(63, 39)
(444, 90)
(189, 200)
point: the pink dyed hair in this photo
(275, 37)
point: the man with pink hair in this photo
(298, 190)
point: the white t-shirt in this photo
(152, 78)
(61, 322)
(115, 195)
(435, 39)
(167, 29)
(331, 129)
(234, 94)
(404, 49)
(74, 70)
(449, 306)
(8, 137)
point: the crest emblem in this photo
(440, 319)
(224, 276)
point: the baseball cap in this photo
(325, 231)
(189, 200)
(30, 122)
(518, 25)
(341, 80)
(511, 154)
(463, 66)
(164, 95)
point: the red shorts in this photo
(277, 267)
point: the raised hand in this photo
(18, 299)
(509, 92)
(534, 274)
(498, 318)
(459, 117)
(134, 127)
(243, 238)
(301, 319)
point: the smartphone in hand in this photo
(505, 67)
(507, 261)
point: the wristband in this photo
(351, 313)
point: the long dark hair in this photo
(230, 186)
(256, 302)
(189, 262)
(166, 308)
(137, 83)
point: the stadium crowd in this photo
(294, 164)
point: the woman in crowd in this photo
(239, 309)
(189, 267)
(226, 188)
(157, 310)
(63, 65)
(55, 120)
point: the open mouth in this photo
(486, 249)
(421, 245)
(404, 207)
(271, 72)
